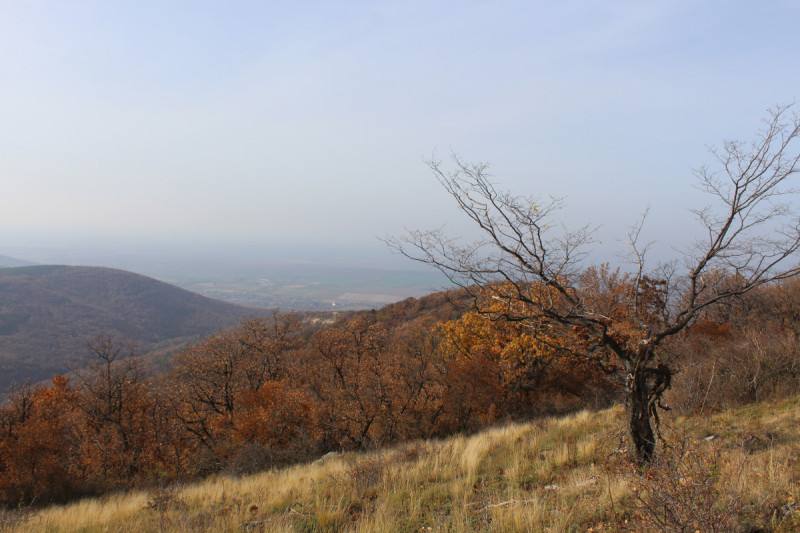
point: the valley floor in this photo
(738, 470)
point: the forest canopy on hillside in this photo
(287, 388)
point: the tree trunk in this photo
(642, 435)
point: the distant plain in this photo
(290, 278)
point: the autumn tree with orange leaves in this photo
(509, 369)
(373, 385)
(35, 441)
(236, 387)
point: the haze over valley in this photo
(286, 277)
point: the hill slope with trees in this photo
(293, 387)
(47, 314)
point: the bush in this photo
(685, 489)
(743, 367)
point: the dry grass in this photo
(566, 474)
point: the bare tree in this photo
(527, 262)
(112, 391)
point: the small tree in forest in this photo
(36, 443)
(526, 270)
(219, 382)
(113, 396)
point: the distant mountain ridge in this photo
(48, 312)
(10, 262)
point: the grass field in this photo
(734, 471)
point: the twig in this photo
(252, 524)
(501, 504)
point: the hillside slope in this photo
(734, 471)
(47, 313)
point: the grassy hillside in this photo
(734, 471)
(48, 312)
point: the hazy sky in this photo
(276, 122)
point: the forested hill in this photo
(47, 313)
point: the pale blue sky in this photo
(268, 122)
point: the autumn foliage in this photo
(284, 389)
